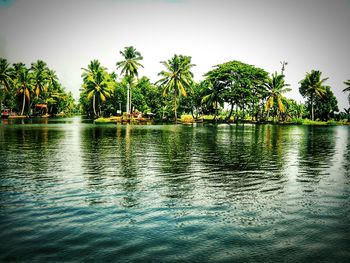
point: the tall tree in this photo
(40, 74)
(6, 74)
(129, 67)
(326, 105)
(239, 82)
(177, 78)
(24, 86)
(275, 87)
(347, 89)
(212, 96)
(97, 85)
(312, 86)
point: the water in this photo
(74, 191)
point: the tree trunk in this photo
(94, 105)
(128, 99)
(243, 112)
(236, 114)
(312, 107)
(175, 108)
(216, 111)
(231, 110)
(24, 102)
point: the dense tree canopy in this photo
(24, 88)
(176, 79)
(234, 91)
(311, 87)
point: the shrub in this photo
(298, 121)
(187, 119)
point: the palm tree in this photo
(213, 95)
(347, 83)
(40, 72)
(97, 85)
(17, 67)
(52, 79)
(92, 68)
(275, 88)
(313, 86)
(6, 74)
(129, 67)
(177, 78)
(24, 86)
(347, 112)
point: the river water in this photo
(75, 191)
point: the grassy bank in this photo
(188, 119)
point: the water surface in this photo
(75, 191)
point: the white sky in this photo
(309, 34)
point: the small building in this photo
(40, 109)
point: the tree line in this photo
(231, 91)
(22, 88)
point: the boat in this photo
(5, 113)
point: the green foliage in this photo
(275, 87)
(347, 89)
(187, 119)
(6, 75)
(237, 84)
(177, 78)
(231, 91)
(97, 84)
(129, 68)
(312, 86)
(24, 87)
(324, 106)
(331, 123)
(298, 121)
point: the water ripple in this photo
(74, 191)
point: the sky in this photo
(308, 34)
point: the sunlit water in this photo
(75, 191)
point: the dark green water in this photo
(72, 191)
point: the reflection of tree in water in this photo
(30, 153)
(111, 163)
(241, 157)
(128, 168)
(176, 151)
(317, 148)
(346, 161)
(94, 156)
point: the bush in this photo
(298, 121)
(187, 119)
(332, 122)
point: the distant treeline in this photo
(233, 91)
(23, 90)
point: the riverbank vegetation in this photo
(32, 91)
(231, 92)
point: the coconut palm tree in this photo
(52, 79)
(24, 86)
(97, 85)
(17, 67)
(313, 86)
(6, 74)
(129, 67)
(41, 77)
(213, 95)
(177, 78)
(92, 68)
(347, 89)
(275, 88)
